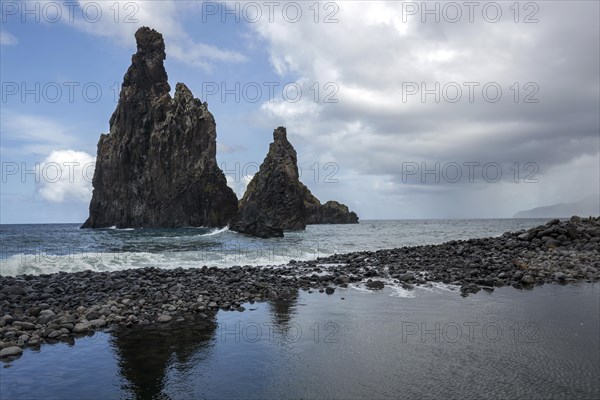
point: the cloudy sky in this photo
(398, 109)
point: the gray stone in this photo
(14, 290)
(470, 288)
(553, 242)
(560, 276)
(6, 320)
(24, 325)
(97, 323)
(24, 338)
(164, 318)
(11, 351)
(81, 327)
(528, 280)
(46, 316)
(524, 236)
(53, 334)
(342, 279)
(375, 285)
(92, 315)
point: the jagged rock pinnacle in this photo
(150, 42)
(280, 134)
(276, 200)
(147, 71)
(157, 167)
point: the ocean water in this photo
(532, 344)
(47, 248)
(428, 342)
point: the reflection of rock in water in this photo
(146, 353)
(283, 308)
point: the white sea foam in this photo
(360, 287)
(216, 232)
(438, 287)
(330, 265)
(396, 290)
(391, 289)
(399, 291)
(122, 250)
(114, 227)
(114, 261)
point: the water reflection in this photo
(170, 361)
(371, 355)
(147, 354)
(283, 309)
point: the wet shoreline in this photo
(61, 306)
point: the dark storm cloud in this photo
(374, 130)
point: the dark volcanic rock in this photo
(276, 200)
(332, 212)
(260, 228)
(375, 285)
(157, 167)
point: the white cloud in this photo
(27, 134)
(7, 39)
(238, 185)
(165, 16)
(370, 54)
(66, 176)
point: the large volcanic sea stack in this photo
(276, 200)
(157, 167)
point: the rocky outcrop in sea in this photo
(157, 167)
(331, 212)
(276, 200)
(49, 308)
